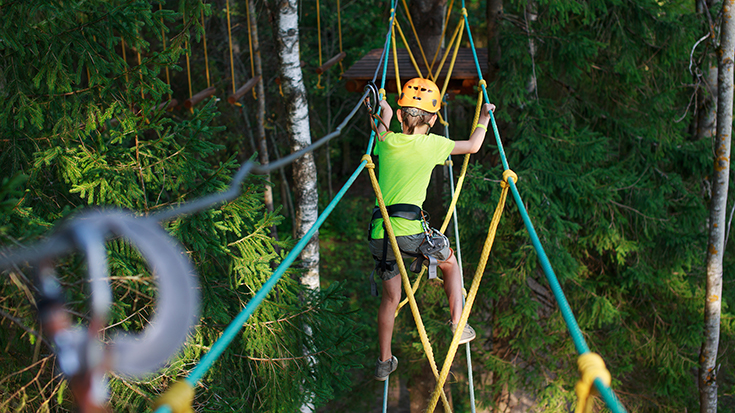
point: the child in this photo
(406, 162)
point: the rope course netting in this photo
(88, 233)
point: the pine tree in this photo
(83, 128)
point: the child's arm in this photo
(474, 144)
(386, 115)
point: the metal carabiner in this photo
(82, 356)
(373, 100)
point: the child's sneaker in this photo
(383, 369)
(468, 334)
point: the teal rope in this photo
(234, 327)
(606, 392)
(501, 151)
(385, 395)
(386, 49)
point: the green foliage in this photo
(83, 129)
(614, 184)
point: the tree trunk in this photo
(428, 18)
(531, 15)
(286, 33)
(260, 114)
(707, 116)
(706, 119)
(494, 15)
(717, 227)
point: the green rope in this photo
(606, 392)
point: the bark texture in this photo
(707, 116)
(531, 17)
(717, 226)
(286, 32)
(428, 18)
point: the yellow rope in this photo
(163, 40)
(140, 71)
(395, 59)
(454, 58)
(473, 289)
(444, 30)
(125, 59)
(451, 42)
(319, 41)
(418, 42)
(229, 36)
(206, 57)
(178, 397)
(413, 61)
(406, 283)
(188, 67)
(591, 366)
(460, 183)
(250, 43)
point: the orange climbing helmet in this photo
(422, 94)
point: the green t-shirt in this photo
(406, 163)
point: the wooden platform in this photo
(463, 81)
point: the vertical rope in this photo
(406, 282)
(458, 253)
(206, 57)
(140, 72)
(250, 44)
(385, 395)
(319, 41)
(188, 67)
(444, 32)
(418, 42)
(395, 60)
(163, 40)
(454, 59)
(125, 58)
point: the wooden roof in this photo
(464, 75)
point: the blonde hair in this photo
(414, 117)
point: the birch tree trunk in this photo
(707, 116)
(706, 119)
(284, 14)
(531, 16)
(717, 227)
(260, 114)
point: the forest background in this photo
(602, 108)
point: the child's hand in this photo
(487, 108)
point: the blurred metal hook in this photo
(82, 356)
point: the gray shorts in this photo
(409, 245)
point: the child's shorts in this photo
(409, 245)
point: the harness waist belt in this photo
(405, 211)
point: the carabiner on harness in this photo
(428, 231)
